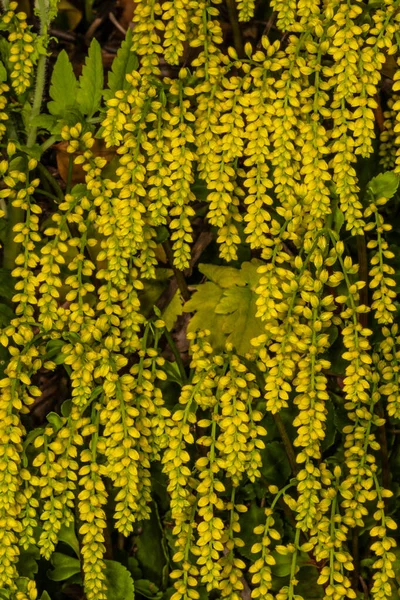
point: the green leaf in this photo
(227, 306)
(150, 553)
(55, 420)
(45, 596)
(173, 311)
(241, 323)
(384, 184)
(225, 277)
(4, 594)
(27, 563)
(119, 581)
(6, 314)
(91, 81)
(283, 564)
(6, 284)
(203, 304)
(63, 86)
(275, 464)
(125, 62)
(248, 521)
(3, 73)
(338, 220)
(330, 428)
(147, 589)
(47, 122)
(64, 567)
(32, 435)
(68, 536)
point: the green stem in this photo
(177, 355)
(69, 175)
(52, 181)
(363, 263)
(40, 78)
(48, 143)
(293, 566)
(237, 36)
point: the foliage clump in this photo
(294, 348)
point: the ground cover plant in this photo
(200, 354)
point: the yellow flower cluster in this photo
(381, 274)
(22, 52)
(275, 136)
(3, 105)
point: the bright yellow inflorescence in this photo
(275, 135)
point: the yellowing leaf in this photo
(227, 306)
(203, 304)
(173, 311)
(225, 277)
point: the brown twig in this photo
(237, 35)
(287, 443)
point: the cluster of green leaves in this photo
(224, 301)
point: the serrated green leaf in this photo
(64, 567)
(3, 72)
(119, 581)
(63, 87)
(203, 304)
(240, 323)
(27, 563)
(249, 271)
(47, 122)
(91, 81)
(125, 62)
(227, 306)
(173, 311)
(225, 277)
(384, 184)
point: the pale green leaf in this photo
(125, 62)
(225, 277)
(240, 323)
(64, 567)
(91, 81)
(384, 184)
(203, 304)
(3, 72)
(173, 311)
(68, 536)
(249, 272)
(119, 581)
(63, 86)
